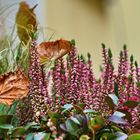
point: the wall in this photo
(91, 22)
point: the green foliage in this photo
(116, 89)
(134, 137)
(83, 124)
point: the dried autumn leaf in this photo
(13, 86)
(26, 22)
(48, 51)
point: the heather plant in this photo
(64, 99)
(121, 86)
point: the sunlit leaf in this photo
(88, 111)
(97, 123)
(108, 136)
(13, 86)
(39, 136)
(75, 120)
(119, 114)
(121, 136)
(47, 136)
(116, 128)
(26, 22)
(48, 51)
(112, 100)
(134, 137)
(6, 126)
(67, 107)
(84, 137)
(117, 119)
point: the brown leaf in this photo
(13, 86)
(53, 50)
(26, 22)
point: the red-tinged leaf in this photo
(112, 100)
(131, 104)
(127, 116)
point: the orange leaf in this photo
(26, 22)
(48, 51)
(13, 86)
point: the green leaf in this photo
(121, 136)
(67, 107)
(75, 120)
(29, 125)
(36, 127)
(108, 136)
(47, 136)
(71, 127)
(131, 104)
(79, 110)
(30, 136)
(6, 126)
(84, 137)
(88, 111)
(3, 53)
(3, 109)
(18, 132)
(5, 119)
(116, 129)
(116, 89)
(134, 137)
(99, 120)
(12, 108)
(54, 115)
(39, 136)
(72, 42)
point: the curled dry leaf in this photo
(13, 86)
(48, 51)
(26, 22)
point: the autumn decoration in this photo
(13, 86)
(64, 100)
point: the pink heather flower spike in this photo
(74, 82)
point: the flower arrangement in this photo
(66, 100)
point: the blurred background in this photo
(89, 22)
